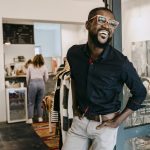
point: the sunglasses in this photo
(102, 20)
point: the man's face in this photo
(101, 28)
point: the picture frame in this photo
(140, 57)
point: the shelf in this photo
(14, 88)
(18, 76)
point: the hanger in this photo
(63, 71)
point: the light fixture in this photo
(7, 42)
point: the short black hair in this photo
(94, 11)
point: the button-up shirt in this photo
(98, 83)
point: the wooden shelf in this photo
(18, 76)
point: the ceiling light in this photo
(7, 42)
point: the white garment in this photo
(83, 131)
(68, 113)
(63, 112)
(54, 114)
(70, 102)
(37, 73)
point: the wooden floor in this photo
(50, 137)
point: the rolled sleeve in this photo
(133, 105)
(135, 85)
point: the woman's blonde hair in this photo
(38, 60)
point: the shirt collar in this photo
(102, 56)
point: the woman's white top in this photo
(37, 73)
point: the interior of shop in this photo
(22, 41)
(48, 33)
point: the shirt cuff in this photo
(134, 106)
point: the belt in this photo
(100, 118)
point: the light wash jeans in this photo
(83, 135)
(36, 90)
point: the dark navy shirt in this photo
(99, 83)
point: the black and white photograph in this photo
(138, 143)
(140, 55)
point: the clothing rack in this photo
(63, 101)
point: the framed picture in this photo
(140, 55)
(16, 104)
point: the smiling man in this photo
(98, 73)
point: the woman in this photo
(37, 75)
(28, 63)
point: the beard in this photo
(96, 42)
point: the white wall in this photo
(2, 86)
(135, 23)
(15, 50)
(71, 35)
(75, 11)
(53, 10)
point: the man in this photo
(98, 73)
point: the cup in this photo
(13, 73)
(7, 84)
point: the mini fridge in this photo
(16, 104)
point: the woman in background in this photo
(37, 75)
(28, 63)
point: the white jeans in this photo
(83, 135)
